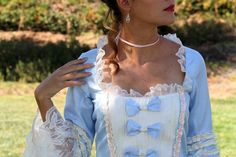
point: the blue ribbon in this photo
(132, 107)
(133, 152)
(133, 128)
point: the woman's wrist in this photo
(39, 94)
(44, 104)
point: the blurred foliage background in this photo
(205, 25)
(208, 26)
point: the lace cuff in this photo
(203, 145)
(56, 137)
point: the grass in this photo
(224, 120)
(17, 113)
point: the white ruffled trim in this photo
(110, 138)
(181, 52)
(197, 145)
(180, 128)
(57, 136)
(158, 89)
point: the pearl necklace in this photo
(135, 45)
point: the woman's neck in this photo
(138, 36)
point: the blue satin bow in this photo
(132, 107)
(133, 128)
(133, 152)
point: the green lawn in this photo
(17, 113)
(224, 120)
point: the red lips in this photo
(170, 8)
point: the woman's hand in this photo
(68, 75)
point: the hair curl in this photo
(115, 15)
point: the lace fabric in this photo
(60, 137)
(158, 89)
(198, 146)
(180, 128)
(109, 129)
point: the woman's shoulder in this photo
(191, 59)
(90, 54)
(192, 56)
(94, 53)
(195, 63)
(94, 56)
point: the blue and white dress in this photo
(170, 120)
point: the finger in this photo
(73, 83)
(76, 61)
(71, 76)
(75, 68)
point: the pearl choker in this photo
(135, 45)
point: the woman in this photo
(140, 93)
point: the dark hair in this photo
(115, 16)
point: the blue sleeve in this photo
(79, 110)
(201, 139)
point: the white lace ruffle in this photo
(181, 52)
(56, 137)
(202, 145)
(180, 128)
(158, 89)
(109, 129)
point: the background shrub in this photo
(207, 26)
(66, 17)
(27, 61)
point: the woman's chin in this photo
(169, 21)
(166, 23)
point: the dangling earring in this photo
(127, 18)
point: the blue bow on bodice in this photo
(133, 128)
(133, 152)
(132, 107)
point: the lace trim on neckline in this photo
(158, 89)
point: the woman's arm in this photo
(52, 135)
(201, 138)
(63, 77)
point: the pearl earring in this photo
(127, 18)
